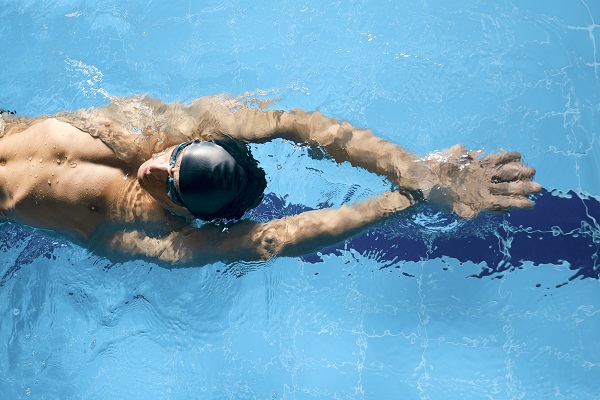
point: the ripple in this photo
(438, 222)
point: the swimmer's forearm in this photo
(360, 147)
(313, 230)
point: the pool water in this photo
(427, 306)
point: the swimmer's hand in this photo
(470, 182)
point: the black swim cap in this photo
(209, 178)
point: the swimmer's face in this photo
(160, 177)
(154, 174)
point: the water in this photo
(504, 307)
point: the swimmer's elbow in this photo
(264, 243)
(291, 237)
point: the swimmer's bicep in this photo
(170, 250)
(184, 248)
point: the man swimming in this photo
(128, 178)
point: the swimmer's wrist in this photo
(421, 176)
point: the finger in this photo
(508, 157)
(513, 172)
(507, 203)
(535, 187)
(515, 188)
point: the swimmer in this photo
(128, 178)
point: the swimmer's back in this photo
(54, 176)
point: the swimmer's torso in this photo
(54, 176)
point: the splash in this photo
(91, 84)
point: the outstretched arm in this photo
(455, 179)
(340, 139)
(251, 241)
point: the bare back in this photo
(54, 176)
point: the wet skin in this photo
(87, 177)
(67, 181)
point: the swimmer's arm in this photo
(313, 230)
(359, 147)
(340, 139)
(466, 182)
(252, 241)
(134, 127)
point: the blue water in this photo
(503, 307)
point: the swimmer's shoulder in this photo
(12, 124)
(50, 128)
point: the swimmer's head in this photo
(211, 180)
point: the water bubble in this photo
(28, 392)
(43, 363)
(73, 164)
(16, 311)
